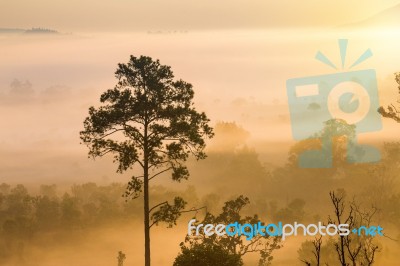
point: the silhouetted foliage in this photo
(121, 258)
(293, 212)
(234, 245)
(206, 255)
(391, 111)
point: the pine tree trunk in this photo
(146, 220)
(146, 200)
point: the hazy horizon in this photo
(246, 85)
(238, 55)
(133, 15)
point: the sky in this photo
(238, 56)
(123, 15)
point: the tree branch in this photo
(110, 133)
(158, 205)
(194, 210)
(159, 173)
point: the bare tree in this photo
(339, 208)
(317, 243)
(353, 249)
(367, 247)
(306, 262)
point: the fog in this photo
(237, 76)
(47, 84)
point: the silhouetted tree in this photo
(351, 249)
(316, 243)
(47, 212)
(49, 191)
(121, 257)
(21, 88)
(391, 111)
(229, 158)
(148, 119)
(293, 212)
(205, 255)
(228, 137)
(70, 213)
(235, 245)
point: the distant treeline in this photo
(41, 30)
(23, 214)
(287, 193)
(24, 217)
(33, 30)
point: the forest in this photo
(30, 220)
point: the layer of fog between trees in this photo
(33, 221)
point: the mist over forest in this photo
(58, 206)
(38, 223)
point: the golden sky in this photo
(121, 15)
(238, 56)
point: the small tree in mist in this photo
(148, 119)
(316, 246)
(121, 258)
(392, 111)
(331, 140)
(237, 245)
(206, 255)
